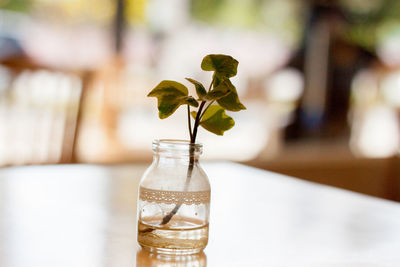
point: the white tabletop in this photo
(85, 215)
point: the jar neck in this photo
(168, 159)
(181, 150)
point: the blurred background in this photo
(320, 80)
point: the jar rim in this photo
(176, 145)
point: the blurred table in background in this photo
(333, 163)
(85, 215)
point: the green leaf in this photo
(223, 65)
(170, 95)
(216, 121)
(200, 90)
(194, 114)
(169, 87)
(223, 89)
(189, 100)
(231, 101)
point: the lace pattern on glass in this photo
(173, 197)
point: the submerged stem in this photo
(169, 216)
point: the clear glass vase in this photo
(174, 200)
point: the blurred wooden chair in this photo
(38, 113)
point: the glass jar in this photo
(174, 200)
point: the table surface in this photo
(85, 215)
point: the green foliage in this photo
(222, 90)
(171, 95)
(200, 90)
(232, 13)
(231, 101)
(215, 120)
(189, 100)
(17, 5)
(222, 65)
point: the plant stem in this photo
(169, 216)
(197, 122)
(189, 123)
(201, 116)
(193, 135)
(211, 84)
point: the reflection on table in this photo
(144, 258)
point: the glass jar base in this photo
(173, 241)
(172, 252)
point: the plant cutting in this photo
(173, 205)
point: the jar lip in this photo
(176, 145)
